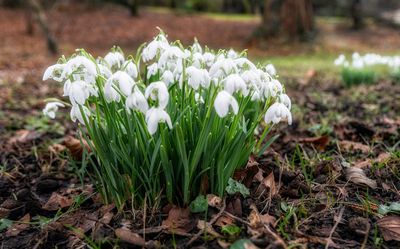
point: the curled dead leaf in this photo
(357, 175)
(214, 201)
(57, 201)
(319, 142)
(23, 136)
(130, 237)
(351, 146)
(75, 147)
(178, 221)
(390, 227)
(269, 184)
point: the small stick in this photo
(338, 219)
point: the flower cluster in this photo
(370, 59)
(169, 111)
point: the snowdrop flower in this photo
(105, 71)
(152, 70)
(54, 72)
(158, 44)
(51, 108)
(114, 59)
(167, 77)
(78, 92)
(223, 101)
(274, 87)
(232, 54)
(270, 69)
(208, 58)
(154, 116)
(77, 115)
(276, 113)
(131, 69)
(245, 63)
(196, 48)
(198, 60)
(222, 67)
(284, 99)
(137, 101)
(171, 54)
(251, 77)
(79, 62)
(340, 60)
(158, 91)
(110, 93)
(197, 77)
(358, 63)
(198, 98)
(125, 82)
(234, 83)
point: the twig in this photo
(212, 221)
(278, 239)
(366, 236)
(338, 219)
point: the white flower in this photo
(152, 70)
(234, 83)
(245, 64)
(197, 77)
(79, 63)
(358, 63)
(222, 103)
(105, 71)
(169, 57)
(78, 91)
(158, 44)
(270, 69)
(274, 87)
(197, 60)
(114, 59)
(198, 98)
(167, 77)
(110, 93)
(276, 113)
(155, 116)
(137, 101)
(232, 54)
(340, 60)
(125, 82)
(222, 67)
(284, 99)
(130, 68)
(196, 48)
(208, 58)
(77, 115)
(51, 108)
(54, 72)
(158, 91)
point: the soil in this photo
(303, 192)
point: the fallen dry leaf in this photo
(214, 201)
(23, 136)
(19, 226)
(178, 221)
(257, 220)
(269, 184)
(130, 237)
(357, 175)
(57, 201)
(383, 157)
(75, 147)
(204, 226)
(390, 227)
(351, 146)
(319, 142)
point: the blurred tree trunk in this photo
(293, 17)
(356, 12)
(36, 13)
(133, 7)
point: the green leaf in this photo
(236, 187)
(199, 204)
(241, 244)
(231, 230)
(5, 223)
(393, 207)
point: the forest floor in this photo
(324, 183)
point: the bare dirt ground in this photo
(319, 186)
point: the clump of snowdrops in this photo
(364, 68)
(171, 121)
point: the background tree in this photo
(356, 12)
(293, 17)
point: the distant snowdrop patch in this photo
(169, 118)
